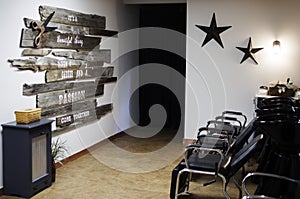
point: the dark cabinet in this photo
(26, 157)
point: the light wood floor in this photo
(137, 176)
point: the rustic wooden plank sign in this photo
(33, 89)
(77, 106)
(81, 30)
(62, 97)
(83, 116)
(71, 17)
(105, 80)
(73, 61)
(35, 52)
(94, 55)
(48, 63)
(24, 64)
(54, 39)
(107, 33)
(76, 74)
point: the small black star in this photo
(213, 32)
(249, 51)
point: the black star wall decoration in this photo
(249, 51)
(213, 31)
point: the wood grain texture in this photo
(35, 52)
(94, 55)
(24, 64)
(55, 39)
(59, 110)
(77, 74)
(81, 30)
(33, 89)
(47, 63)
(63, 97)
(83, 116)
(71, 17)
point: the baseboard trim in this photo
(188, 141)
(101, 143)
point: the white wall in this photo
(118, 17)
(215, 78)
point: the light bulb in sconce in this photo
(276, 46)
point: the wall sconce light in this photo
(276, 46)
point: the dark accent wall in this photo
(171, 16)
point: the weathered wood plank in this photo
(33, 89)
(24, 64)
(102, 110)
(71, 17)
(107, 33)
(47, 63)
(94, 55)
(35, 52)
(62, 28)
(62, 97)
(59, 110)
(67, 75)
(51, 63)
(81, 30)
(83, 116)
(106, 79)
(54, 39)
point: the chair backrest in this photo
(232, 120)
(240, 158)
(243, 137)
(226, 126)
(238, 114)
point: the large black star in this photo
(249, 51)
(213, 31)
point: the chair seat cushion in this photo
(203, 161)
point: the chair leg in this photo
(238, 186)
(225, 183)
(178, 183)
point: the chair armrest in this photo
(230, 147)
(227, 162)
(249, 175)
(258, 197)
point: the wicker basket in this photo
(28, 115)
